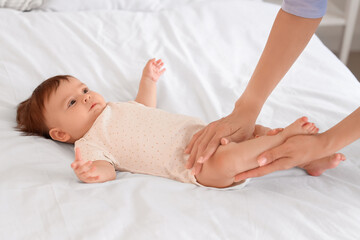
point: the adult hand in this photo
(295, 151)
(236, 127)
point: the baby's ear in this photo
(59, 135)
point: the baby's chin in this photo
(86, 126)
(80, 134)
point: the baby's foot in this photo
(300, 126)
(317, 167)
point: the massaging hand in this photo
(153, 69)
(295, 151)
(236, 127)
(84, 169)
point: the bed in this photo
(210, 49)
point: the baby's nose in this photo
(86, 98)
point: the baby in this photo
(136, 137)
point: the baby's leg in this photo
(233, 158)
(317, 167)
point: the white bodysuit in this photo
(140, 139)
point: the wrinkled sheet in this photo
(210, 50)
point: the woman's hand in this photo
(236, 127)
(302, 149)
(295, 151)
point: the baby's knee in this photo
(219, 166)
(222, 162)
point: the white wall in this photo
(332, 36)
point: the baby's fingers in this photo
(83, 167)
(159, 62)
(88, 173)
(162, 71)
(76, 165)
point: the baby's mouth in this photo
(92, 106)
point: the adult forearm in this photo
(343, 133)
(288, 38)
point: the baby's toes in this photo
(301, 121)
(314, 129)
(334, 160)
(309, 128)
(342, 156)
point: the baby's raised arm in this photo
(92, 171)
(147, 88)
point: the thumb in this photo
(271, 155)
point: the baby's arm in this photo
(147, 89)
(92, 172)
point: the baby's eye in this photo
(86, 90)
(72, 102)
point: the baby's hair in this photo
(30, 113)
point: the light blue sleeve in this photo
(305, 8)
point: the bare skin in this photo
(317, 167)
(303, 149)
(288, 38)
(230, 159)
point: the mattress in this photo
(210, 49)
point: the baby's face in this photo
(71, 110)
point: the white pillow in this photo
(131, 5)
(21, 5)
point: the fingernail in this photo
(200, 160)
(186, 150)
(193, 171)
(262, 161)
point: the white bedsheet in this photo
(210, 50)
(130, 5)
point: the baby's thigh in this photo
(218, 170)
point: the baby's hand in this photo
(153, 69)
(84, 170)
